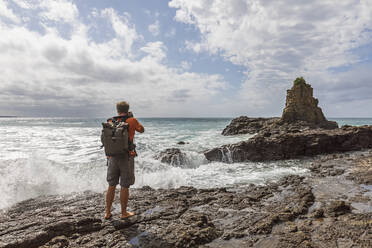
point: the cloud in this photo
(186, 65)
(276, 41)
(47, 74)
(58, 10)
(125, 31)
(156, 50)
(25, 4)
(154, 28)
(54, 53)
(7, 13)
(179, 95)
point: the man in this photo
(122, 167)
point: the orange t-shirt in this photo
(134, 126)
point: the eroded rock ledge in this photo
(315, 211)
(247, 125)
(288, 145)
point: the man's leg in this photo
(124, 196)
(110, 195)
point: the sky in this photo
(183, 58)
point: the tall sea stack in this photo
(302, 106)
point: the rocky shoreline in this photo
(329, 207)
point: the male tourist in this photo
(121, 167)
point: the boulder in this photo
(172, 156)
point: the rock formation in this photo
(301, 112)
(172, 156)
(302, 106)
(294, 144)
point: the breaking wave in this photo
(57, 156)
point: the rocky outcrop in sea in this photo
(301, 112)
(302, 106)
(294, 144)
(301, 131)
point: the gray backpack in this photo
(115, 138)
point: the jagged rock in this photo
(301, 112)
(172, 156)
(302, 106)
(292, 145)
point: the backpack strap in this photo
(118, 119)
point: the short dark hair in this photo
(122, 107)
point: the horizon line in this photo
(175, 117)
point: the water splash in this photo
(227, 155)
(40, 156)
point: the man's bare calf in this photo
(124, 196)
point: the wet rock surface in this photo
(362, 171)
(319, 210)
(294, 144)
(246, 125)
(172, 156)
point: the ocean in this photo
(40, 156)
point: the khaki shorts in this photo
(121, 167)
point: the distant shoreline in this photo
(8, 116)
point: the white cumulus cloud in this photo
(7, 13)
(58, 10)
(47, 74)
(278, 40)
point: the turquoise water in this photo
(352, 121)
(61, 155)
